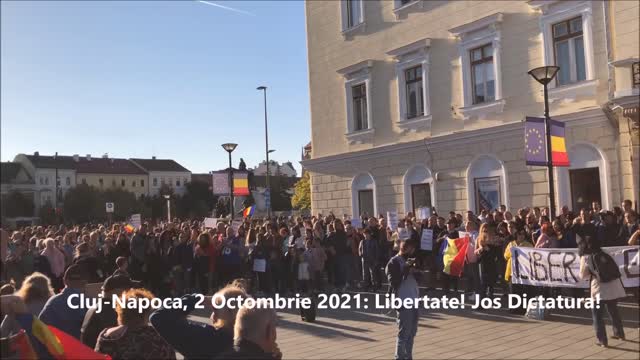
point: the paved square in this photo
(462, 334)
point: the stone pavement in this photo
(448, 334)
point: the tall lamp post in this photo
(544, 75)
(266, 143)
(229, 147)
(168, 197)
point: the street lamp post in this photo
(266, 143)
(168, 197)
(229, 147)
(544, 75)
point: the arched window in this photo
(419, 188)
(363, 195)
(486, 184)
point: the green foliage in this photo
(198, 201)
(16, 204)
(82, 204)
(302, 197)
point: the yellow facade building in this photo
(104, 173)
(422, 103)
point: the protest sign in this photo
(210, 223)
(423, 213)
(561, 267)
(392, 220)
(259, 265)
(136, 221)
(426, 241)
(235, 225)
(403, 234)
(356, 223)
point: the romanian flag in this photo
(454, 254)
(20, 347)
(45, 343)
(559, 155)
(74, 349)
(248, 211)
(129, 228)
(240, 184)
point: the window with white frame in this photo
(155, 181)
(414, 92)
(567, 36)
(359, 106)
(568, 49)
(358, 101)
(412, 71)
(68, 181)
(480, 58)
(352, 13)
(482, 74)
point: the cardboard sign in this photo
(426, 241)
(210, 223)
(392, 220)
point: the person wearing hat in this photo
(56, 311)
(94, 321)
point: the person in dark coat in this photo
(195, 340)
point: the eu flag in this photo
(535, 146)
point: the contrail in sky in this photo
(227, 8)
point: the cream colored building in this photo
(104, 173)
(422, 102)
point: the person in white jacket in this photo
(609, 293)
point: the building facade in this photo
(43, 169)
(275, 169)
(164, 172)
(104, 173)
(420, 103)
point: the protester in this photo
(196, 340)
(56, 312)
(56, 260)
(401, 274)
(254, 335)
(604, 276)
(133, 338)
(94, 322)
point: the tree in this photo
(124, 203)
(47, 214)
(83, 203)
(198, 200)
(302, 197)
(16, 204)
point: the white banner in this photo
(561, 267)
(423, 213)
(356, 223)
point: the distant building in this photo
(14, 177)
(275, 169)
(42, 169)
(105, 172)
(164, 171)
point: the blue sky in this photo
(173, 79)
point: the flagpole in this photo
(547, 126)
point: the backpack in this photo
(603, 267)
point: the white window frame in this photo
(481, 32)
(553, 12)
(354, 75)
(411, 178)
(400, 10)
(407, 57)
(346, 29)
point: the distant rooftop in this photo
(160, 165)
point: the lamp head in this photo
(229, 147)
(544, 74)
(261, 88)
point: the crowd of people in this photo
(43, 266)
